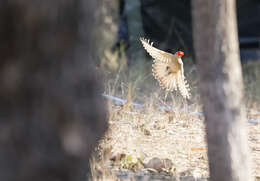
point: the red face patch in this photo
(180, 53)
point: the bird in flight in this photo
(168, 69)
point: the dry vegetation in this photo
(148, 143)
(145, 143)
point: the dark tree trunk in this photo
(51, 111)
(221, 85)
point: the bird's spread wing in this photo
(154, 52)
(170, 79)
(167, 70)
(183, 85)
(164, 74)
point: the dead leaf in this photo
(197, 149)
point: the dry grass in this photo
(178, 137)
(161, 134)
(138, 134)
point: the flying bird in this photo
(168, 69)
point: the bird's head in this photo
(180, 53)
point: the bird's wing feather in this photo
(157, 54)
(167, 69)
(183, 85)
(167, 80)
(170, 78)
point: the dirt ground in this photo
(139, 136)
(150, 143)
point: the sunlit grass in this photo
(138, 134)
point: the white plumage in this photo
(168, 69)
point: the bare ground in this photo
(138, 135)
(146, 143)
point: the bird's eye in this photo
(180, 53)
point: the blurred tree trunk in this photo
(51, 110)
(221, 86)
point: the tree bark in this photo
(221, 86)
(51, 110)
